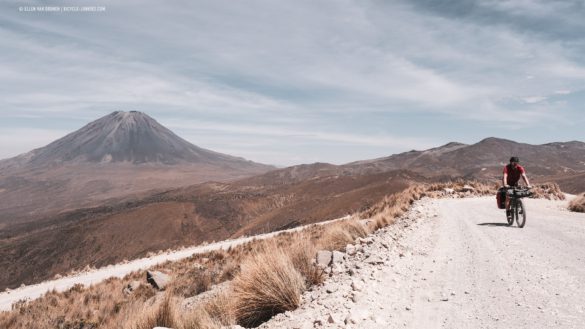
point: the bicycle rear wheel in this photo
(510, 217)
(520, 213)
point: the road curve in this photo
(454, 263)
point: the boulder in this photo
(158, 280)
(337, 257)
(324, 258)
(131, 287)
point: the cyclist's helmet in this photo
(515, 159)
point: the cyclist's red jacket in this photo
(514, 174)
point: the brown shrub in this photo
(337, 235)
(549, 191)
(578, 203)
(162, 314)
(302, 254)
(267, 285)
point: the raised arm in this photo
(525, 179)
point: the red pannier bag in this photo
(501, 198)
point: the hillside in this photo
(484, 160)
(115, 156)
(130, 228)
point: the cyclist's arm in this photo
(505, 180)
(525, 180)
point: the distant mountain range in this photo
(484, 160)
(124, 185)
(120, 154)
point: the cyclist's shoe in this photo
(509, 213)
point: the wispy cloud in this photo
(380, 76)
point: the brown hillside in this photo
(188, 216)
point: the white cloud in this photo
(563, 92)
(298, 69)
(533, 99)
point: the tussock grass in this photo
(268, 284)
(337, 235)
(549, 191)
(162, 314)
(302, 252)
(267, 277)
(578, 203)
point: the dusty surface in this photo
(452, 263)
(120, 270)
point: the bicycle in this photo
(517, 207)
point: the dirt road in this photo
(453, 263)
(34, 291)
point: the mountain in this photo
(486, 159)
(117, 155)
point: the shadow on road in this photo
(494, 224)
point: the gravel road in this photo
(453, 263)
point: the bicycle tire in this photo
(520, 213)
(511, 217)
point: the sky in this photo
(290, 82)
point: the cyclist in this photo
(512, 173)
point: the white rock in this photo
(323, 258)
(356, 286)
(337, 257)
(350, 249)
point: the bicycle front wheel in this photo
(520, 213)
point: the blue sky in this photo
(298, 81)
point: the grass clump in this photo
(268, 284)
(578, 203)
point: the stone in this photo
(324, 258)
(350, 249)
(131, 287)
(356, 286)
(375, 260)
(448, 190)
(158, 280)
(350, 319)
(330, 319)
(337, 257)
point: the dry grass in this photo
(162, 314)
(267, 277)
(578, 203)
(268, 284)
(302, 252)
(337, 235)
(549, 191)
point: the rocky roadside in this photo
(363, 290)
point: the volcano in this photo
(132, 137)
(120, 154)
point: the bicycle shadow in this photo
(497, 224)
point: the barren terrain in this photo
(453, 263)
(209, 212)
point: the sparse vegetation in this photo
(267, 277)
(268, 284)
(578, 203)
